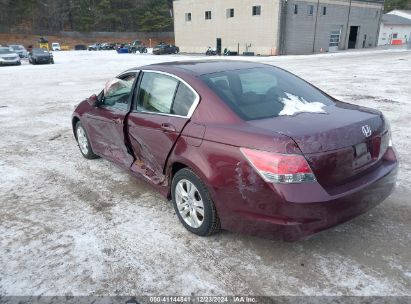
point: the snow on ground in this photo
(69, 226)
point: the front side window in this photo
(263, 92)
(256, 10)
(156, 93)
(164, 94)
(208, 15)
(117, 92)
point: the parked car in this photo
(55, 46)
(80, 47)
(20, 50)
(94, 47)
(243, 146)
(161, 49)
(107, 46)
(123, 48)
(9, 57)
(138, 46)
(38, 55)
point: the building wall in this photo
(387, 30)
(300, 28)
(261, 32)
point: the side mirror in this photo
(93, 100)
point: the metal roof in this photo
(395, 20)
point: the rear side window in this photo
(265, 92)
(183, 100)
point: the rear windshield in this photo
(265, 92)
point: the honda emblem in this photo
(366, 130)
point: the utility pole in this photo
(315, 26)
(348, 24)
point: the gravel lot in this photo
(69, 226)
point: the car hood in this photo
(341, 125)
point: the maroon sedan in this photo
(241, 146)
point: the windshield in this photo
(17, 47)
(40, 51)
(5, 51)
(266, 92)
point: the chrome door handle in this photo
(167, 127)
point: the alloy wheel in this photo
(189, 203)
(82, 140)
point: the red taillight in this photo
(279, 168)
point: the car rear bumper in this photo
(299, 210)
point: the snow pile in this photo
(294, 104)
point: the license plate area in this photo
(362, 156)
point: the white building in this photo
(394, 29)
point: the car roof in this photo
(201, 67)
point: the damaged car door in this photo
(107, 119)
(163, 104)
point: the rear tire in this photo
(193, 204)
(83, 142)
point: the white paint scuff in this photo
(294, 105)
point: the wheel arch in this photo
(74, 121)
(177, 162)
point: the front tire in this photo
(193, 205)
(83, 142)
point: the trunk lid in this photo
(342, 143)
(340, 127)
